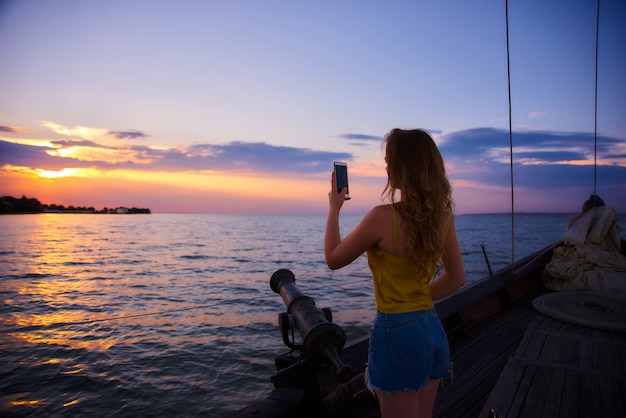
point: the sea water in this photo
(172, 314)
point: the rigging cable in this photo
(595, 116)
(508, 67)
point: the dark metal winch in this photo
(321, 338)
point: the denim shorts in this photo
(406, 351)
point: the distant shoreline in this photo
(76, 212)
(30, 206)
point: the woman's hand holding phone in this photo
(336, 197)
(341, 177)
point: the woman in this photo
(405, 242)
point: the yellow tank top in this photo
(396, 288)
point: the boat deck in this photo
(507, 357)
(563, 370)
(480, 357)
(521, 363)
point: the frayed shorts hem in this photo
(445, 380)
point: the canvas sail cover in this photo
(591, 257)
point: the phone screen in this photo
(341, 177)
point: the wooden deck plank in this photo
(614, 357)
(532, 344)
(563, 370)
(501, 396)
(585, 355)
(479, 359)
(599, 361)
(534, 401)
(569, 397)
(554, 395)
(462, 403)
(568, 354)
(521, 391)
(612, 397)
(523, 345)
(589, 394)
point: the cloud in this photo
(361, 137)
(541, 159)
(533, 146)
(89, 133)
(128, 134)
(234, 156)
(538, 114)
(81, 132)
(253, 157)
(12, 129)
(100, 148)
(32, 156)
(556, 164)
(377, 138)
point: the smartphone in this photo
(341, 177)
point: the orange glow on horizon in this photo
(28, 173)
(171, 192)
(208, 191)
(250, 184)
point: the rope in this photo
(595, 123)
(508, 67)
(595, 116)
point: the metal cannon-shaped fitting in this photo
(321, 339)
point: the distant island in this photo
(12, 205)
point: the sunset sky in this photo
(242, 106)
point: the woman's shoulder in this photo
(380, 210)
(378, 216)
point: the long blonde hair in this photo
(416, 169)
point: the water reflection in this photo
(27, 403)
(70, 339)
(110, 313)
